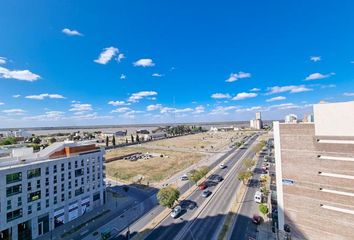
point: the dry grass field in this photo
(178, 153)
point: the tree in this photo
(249, 163)
(107, 141)
(37, 140)
(137, 138)
(8, 141)
(52, 140)
(194, 176)
(203, 171)
(263, 208)
(114, 141)
(132, 138)
(167, 196)
(244, 176)
(126, 140)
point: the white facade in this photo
(256, 124)
(44, 190)
(19, 133)
(291, 118)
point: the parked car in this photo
(219, 178)
(256, 219)
(202, 186)
(184, 177)
(206, 193)
(258, 197)
(176, 211)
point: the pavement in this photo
(196, 223)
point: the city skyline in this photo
(153, 62)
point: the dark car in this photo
(206, 193)
(256, 219)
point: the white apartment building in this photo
(41, 191)
(256, 123)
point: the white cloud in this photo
(276, 99)
(315, 58)
(15, 111)
(16, 96)
(3, 60)
(118, 103)
(157, 75)
(69, 32)
(106, 55)
(183, 110)
(284, 106)
(244, 95)
(123, 77)
(290, 88)
(135, 97)
(144, 62)
(120, 57)
(199, 109)
(255, 108)
(153, 107)
(235, 76)
(349, 94)
(316, 76)
(220, 95)
(1, 103)
(80, 107)
(45, 95)
(221, 110)
(48, 116)
(255, 90)
(121, 110)
(24, 75)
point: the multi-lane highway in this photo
(205, 220)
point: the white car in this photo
(258, 197)
(184, 177)
(176, 211)
(222, 166)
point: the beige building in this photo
(315, 174)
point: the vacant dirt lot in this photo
(178, 153)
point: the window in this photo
(79, 191)
(55, 199)
(69, 175)
(38, 184)
(47, 181)
(79, 172)
(14, 215)
(62, 197)
(13, 177)
(47, 203)
(33, 173)
(10, 191)
(38, 206)
(47, 171)
(76, 183)
(96, 196)
(62, 177)
(76, 165)
(19, 201)
(55, 169)
(55, 189)
(47, 192)
(69, 195)
(29, 209)
(34, 196)
(69, 165)
(69, 185)
(62, 167)
(29, 187)
(82, 163)
(87, 170)
(55, 179)
(82, 181)
(9, 204)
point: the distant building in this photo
(143, 131)
(158, 135)
(41, 191)
(116, 134)
(256, 123)
(315, 174)
(18, 134)
(308, 118)
(291, 118)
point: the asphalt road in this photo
(243, 227)
(210, 219)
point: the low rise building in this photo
(41, 191)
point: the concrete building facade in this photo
(41, 191)
(315, 174)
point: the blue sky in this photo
(118, 62)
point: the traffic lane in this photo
(244, 226)
(217, 209)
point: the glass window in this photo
(38, 206)
(38, 184)
(14, 215)
(29, 187)
(9, 204)
(13, 177)
(29, 209)
(47, 171)
(55, 169)
(47, 203)
(13, 190)
(32, 173)
(34, 196)
(19, 201)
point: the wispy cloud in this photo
(80, 107)
(235, 76)
(220, 96)
(157, 75)
(118, 103)
(348, 94)
(255, 90)
(199, 109)
(144, 62)
(16, 96)
(123, 77)
(3, 60)
(290, 88)
(136, 97)
(316, 76)
(244, 95)
(23, 75)
(315, 58)
(45, 95)
(69, 32)
(120, 57)
(121, 110)
(221, 110)
(106, 55)
(1, 103)
(15, 111)
(48, 116)
(276, 99)
(153, 107)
